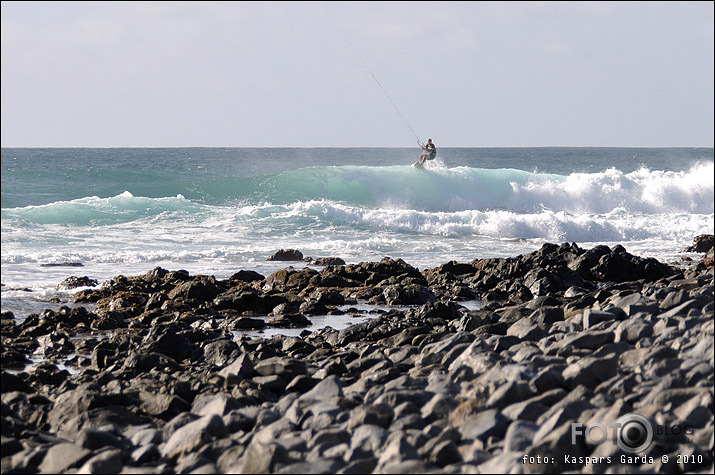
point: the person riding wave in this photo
(431, 150)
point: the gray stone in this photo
(633, 330)
(107, 461)
(484, 424)
(507, 462)
(621, 300)
(357, 366)
(329, 438)
(525, 329)
(680, 310)
(439, 407)
(590, 371)
(295, 441)
(94, 439)
(643, 309)
(501, 373)
(546, 379)
(263, 458)
(519, 436)
(592, 317)
(444, 453)
(674, 298)
(675, 396)
(162, 405)
(406, 408)
(25, 460)
(569, 407)
(588, 339)
(535, 407)
(477, 357)
(697, 410)
(286, 368)
(397, 449)
(208, 404)
(428, 359)
(546, 316)
(195, 464)
(379, 414)
(443, 346)
(62, 456)
(410, 294)
(409, 421)
(219, 353)
(240, 369)
(147, 436)
(406, 467)
(394, 398)
(363, 465)
(556, 448)
(525, 352)
(529, 410)
(193, 435)
(326, 389)
(368, 437)
(612, 350)
(506, 342)
(145, 454)
(9, 446)
(230, 459)
(272, 431)
(703, 350)
(301, 384)
(509, 393)
(326, 465)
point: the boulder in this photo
(286, 255)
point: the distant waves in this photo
(431, 215)
(406, 188)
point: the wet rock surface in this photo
(158, 378)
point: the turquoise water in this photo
(214, 175)
(215, 211)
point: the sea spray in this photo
(400, 187)
(214, 211)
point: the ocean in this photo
(215, 211)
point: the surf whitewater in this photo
(213, 211)
(438, 201)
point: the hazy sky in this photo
(273, 74)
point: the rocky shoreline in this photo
(163, 381)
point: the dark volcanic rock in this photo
(73, 282)
(246, 276)
(172, 384)
(62, 264)
(702, 243)
(287, 255)
(166, 340)
(200, 288)
(328, 261)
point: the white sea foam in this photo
(357, 213)
(221, 233)
(440, 189)
(642, 191)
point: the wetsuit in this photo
(431, 151)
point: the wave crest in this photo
(97, 211)
(438, 189)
